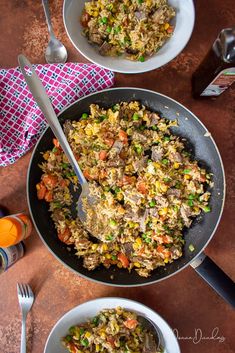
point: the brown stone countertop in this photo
(184, 300)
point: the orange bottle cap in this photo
(11, 231)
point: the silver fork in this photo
(26, 299)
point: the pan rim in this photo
(190, 262)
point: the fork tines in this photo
(24, 290)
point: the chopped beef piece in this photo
(91, 261)
(157, 153)
(105, 48)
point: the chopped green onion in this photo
(192, 197)
(207, 209)
(84, 116)
(54, 149)
(114, 257)
(57, 204)
(135, 116)
(82, 330)
(115, 108)
(190, 203)
(152, 203)
(117, 29)
(109, 29)
(165, 161)
(166, 138)
(148, 240)
(141, 59)
(142, 127)
(64, 165)
(176, 208)
(166, 180)
(191, 247)
(68, 338)
(139, 149)
(186, 171)
(177, 185)
(109, 237)
(101, 118)
(110, 7)
(72, 330)
(149, 161)
(112, 222)
(107, 188)
(85, 342)
(154, 127)
(117, 189)
(95, 320)
(140, 2)
(103, 196)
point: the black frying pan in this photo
(202, 147)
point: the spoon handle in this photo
(48, 17)
(42, 99)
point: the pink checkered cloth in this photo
(21, 121)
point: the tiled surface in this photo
(184, 300)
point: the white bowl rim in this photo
(124, 302)
(137, 71)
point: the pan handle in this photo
(215, 277)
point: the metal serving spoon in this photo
(42, 99)
(55, 51)
(154, 341)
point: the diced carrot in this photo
(160, 248)
(142, 188)
(41, 190)
(111, 341)
(48, 196)
(170, 29)
(102, 155)
(124, 260)
(77, 156)
(165, 239)
(109, 141)
(127, 179)
(87, 174)
(130, 323)
(50, 180)
(64, 183)
(56, 142)
(72, 347)
(167, 253)
(123, 136)
(65, 236)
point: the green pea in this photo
(190, 203)
(192, 197)
(68, 338)
(140, 2)
(154, 127)
(141, 59)
(84, 116)
(207, 209)
(114, 257)
(104, 20)
(166, 138)
(109, 29)
(117, 189)
(82, 330)
(186, 171)
(165, 161)
(117, 29)
(135, 117)
(166, 180)
(152, 203)
(191, 247)
(112, 222)
(84, 342)
(139, 149)
(115, 108)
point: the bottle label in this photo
(11, 255)
(222, 81)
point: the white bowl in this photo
(84, 312)
(184, 23)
